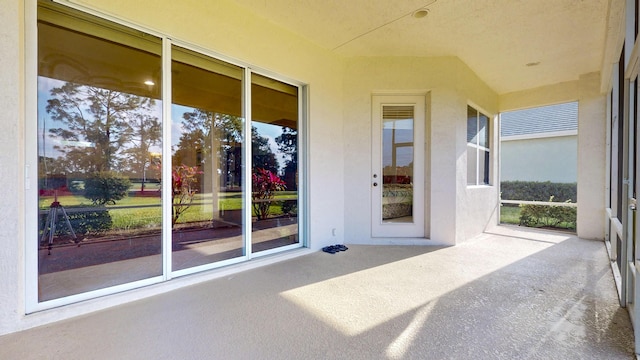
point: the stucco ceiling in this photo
(495, 38)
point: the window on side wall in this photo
(478, 147)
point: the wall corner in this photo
(592, 106)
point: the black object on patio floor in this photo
(334, 248)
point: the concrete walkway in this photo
(509, 294)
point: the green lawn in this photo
(145, 212)
(510, 215)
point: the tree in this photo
(144, 132)
(265, 184)
(202, 131)
(95, 123)
(288, 145)
(263, 156)
(48, 166)
(105, 187)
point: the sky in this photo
(47, 143)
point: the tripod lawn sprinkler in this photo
(56, 209)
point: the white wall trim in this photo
(540, 135)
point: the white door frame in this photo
(632, 220)
(415, 228)
(631, 178)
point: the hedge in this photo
(550, 216)
(88, 221)
(538, 191)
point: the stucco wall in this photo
(454, 211)
(227, 29)
(11, 161)
(591, 158)
(546, 95)
(552, 159)
(591, 142)
(339, 143)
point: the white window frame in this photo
(31, 303)
(479, 148)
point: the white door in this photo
(631, 135)
(398, 161)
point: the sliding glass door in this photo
(274, 151)
(144, 167)
(99, 148)
(207, 160)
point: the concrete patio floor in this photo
(512, 293)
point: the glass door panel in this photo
(99, 141)
(397, 164)
(631, 216)
(274, 151)
(207, 160)
(398, 154)
(101, 138)
(634, 258)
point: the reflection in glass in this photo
(397, 163)
(472, 164)
(478, 132)
(207, 155)
(483, 130)
(274, 148)
(483, 149)
(99, 146)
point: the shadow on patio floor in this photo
(513, 294)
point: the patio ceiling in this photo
(511, 44)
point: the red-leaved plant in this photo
(265, 184)
(183, 188)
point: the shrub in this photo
(548, 215)
(106, 187)
(93, 221)
(290, 207)
(538, 191)
(184, 180)
(88, 221)
(265, 184)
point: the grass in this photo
(145, 212)
(510, 215)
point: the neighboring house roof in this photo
(546, 119)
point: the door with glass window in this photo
(631, 224)
(630, 295)
(398, 161)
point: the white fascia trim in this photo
(540, 135)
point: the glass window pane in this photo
(472, 146)
(472, 125)
(99, 151)
(274, 149)
(207, 149)
(472, 169)
(483, 131)
(397, 163)
(483, 165)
